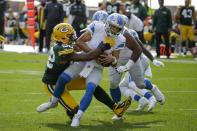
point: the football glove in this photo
(158, 63)
(126, 67)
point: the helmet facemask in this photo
(113, 30)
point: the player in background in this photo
(112, 6)
(186, 17)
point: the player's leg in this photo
(114, 84)
(92, 81)
(104, 98)
(71, 72)
(192, 46)
(145, 93)
(129, 92)
(155, 90)
(100, 95)
(158, 42)
(183, 32)
(137, 74)
(167, 43)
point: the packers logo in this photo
(64, 29)
(109, 40)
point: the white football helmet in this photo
(115, 24)
(100, 16)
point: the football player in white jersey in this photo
(136, 72)
(96, 35)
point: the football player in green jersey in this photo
(186, 17)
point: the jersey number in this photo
(187, 13)
(112, 9)
(51, 59)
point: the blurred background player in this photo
(186, 17)
(112, 6)
(138, 9)
(78, 11)
(3, 5)
(41, 23)
(162, 24)
(53, 15)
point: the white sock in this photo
(127, 92)
(133, 86)
(80, 113)
(54, 99)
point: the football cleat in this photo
(143, 102)
(45, 106)
(158, 95)
(116, 118)
(75, 121)
(152, 103)
(119, 109)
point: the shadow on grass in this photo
(139, 113)
(104, 125)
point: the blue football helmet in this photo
(100, 16)
(115, 24)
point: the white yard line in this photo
(27, 72)
(180, 61)
(79, 92)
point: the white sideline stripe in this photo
(27, 113)
(166, 78)
(179, 91)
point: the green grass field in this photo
(21, 91)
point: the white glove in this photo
(158, 63)
(126, 67)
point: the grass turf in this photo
(21, 92)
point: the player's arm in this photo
(132, 44)
(149, 55)
(90, 55)
(144, 50)
(81, 41)
(109, 59)
(135, 47)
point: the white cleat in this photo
(152, 103)
(158, 95)
(116, 118)
(143, 102)
(45, 106)
(75, 121)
